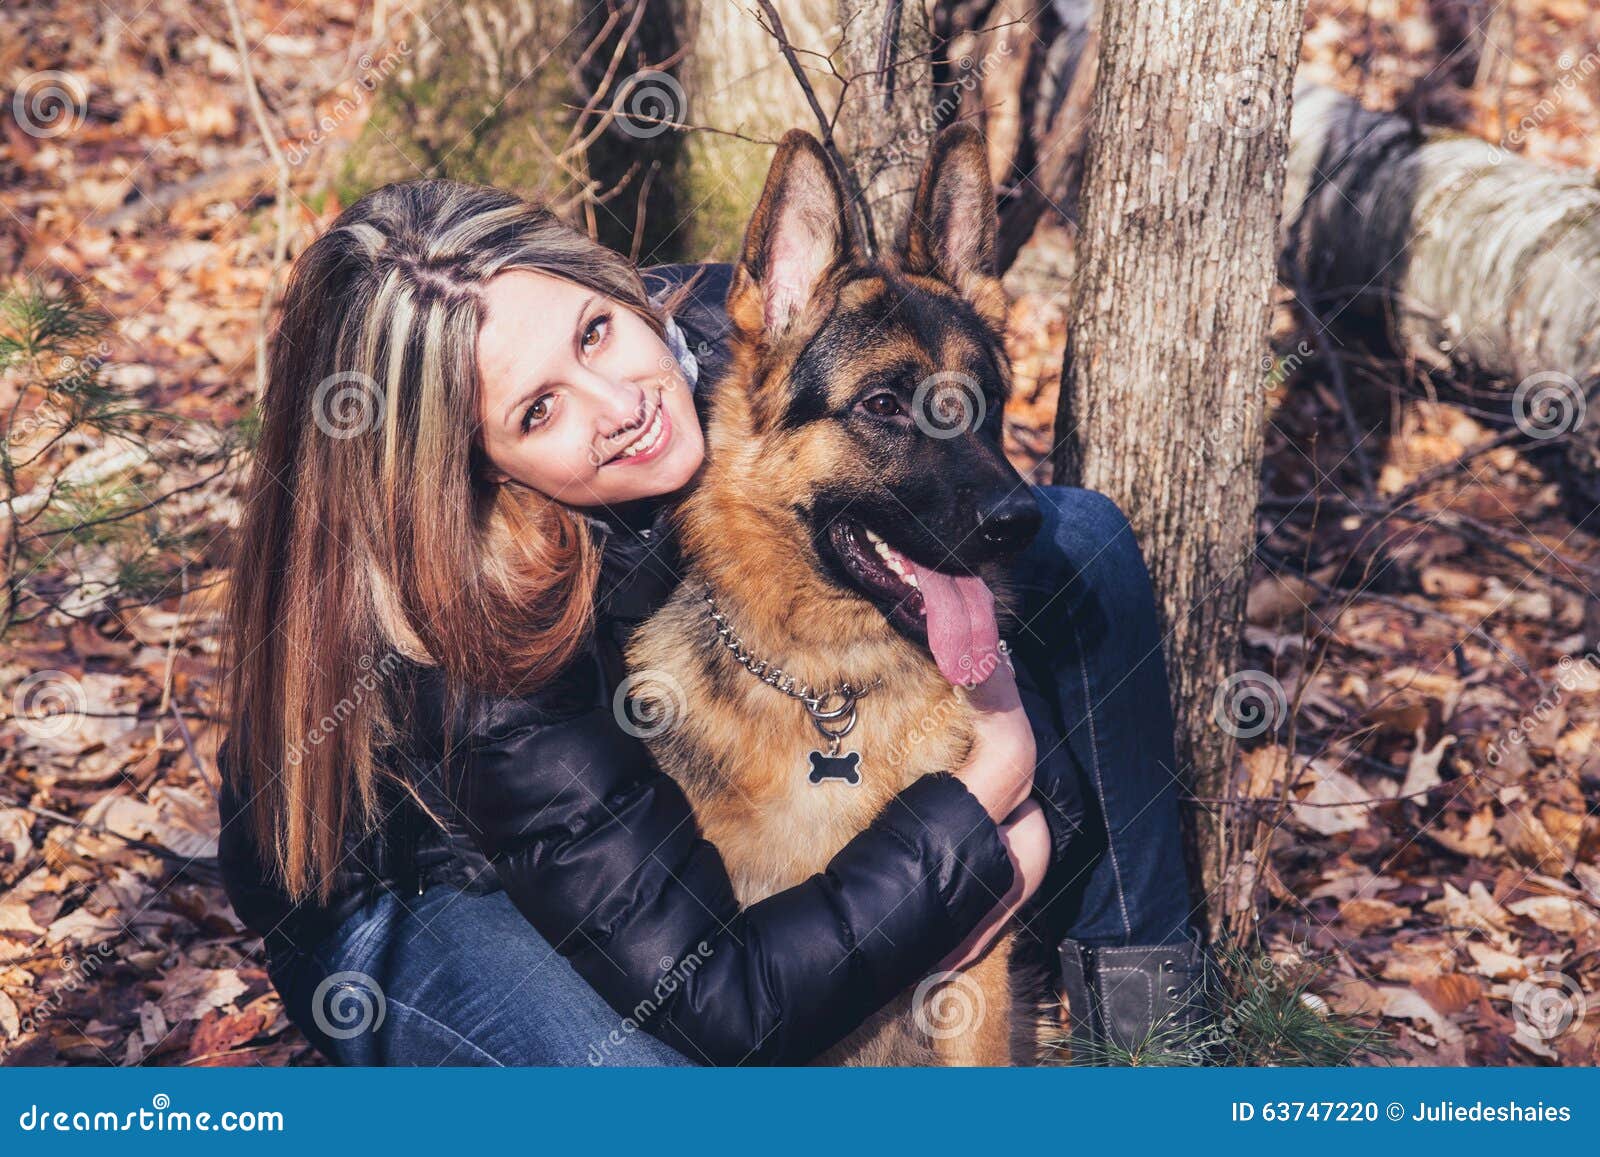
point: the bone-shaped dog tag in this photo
(845, 767)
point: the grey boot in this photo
(1151, 1002)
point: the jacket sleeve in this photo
(1057, 786)
(599, 849)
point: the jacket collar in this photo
(639, 563)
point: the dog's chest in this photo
(775, 819)
(747, 755)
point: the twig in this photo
(207, 862)
(852, 189)
(1341, 387)
(280, 248)
(1400, 604)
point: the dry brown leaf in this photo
(10, 1018)
(1265, 769)
(1494, 964)
(188, 992)
(1474, 838)
(1451, 992)
(1364, 915)
(1336, 803)
(1415, 959)
(1589, 877)
(1557, 914)
(1475, 909)
(1401, 1003)
(16, 841)
(1422, 772)
(1530, 842)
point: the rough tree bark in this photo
(1024, 73)
(884, 124)
(742, 97)
(1469, 258)
(1162, 385)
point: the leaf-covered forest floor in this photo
(1429, 796)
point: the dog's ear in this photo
(951, 231)
(799, 232)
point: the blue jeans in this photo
(464, 979)
(1088, 630)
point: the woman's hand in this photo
(999, 768)
(1027, 840)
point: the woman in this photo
(475, 425)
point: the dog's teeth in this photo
(874, 537)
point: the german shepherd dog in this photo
(850, 527)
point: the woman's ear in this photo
(950, 233)
(798, 233)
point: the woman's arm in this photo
(1056, 784)
(600, 851)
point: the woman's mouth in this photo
(651, 442)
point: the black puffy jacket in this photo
(547, 797)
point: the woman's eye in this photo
(882, 404)
(536, 413)
(592, 329)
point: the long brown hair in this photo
(370, 529)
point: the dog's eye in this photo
(883, 404)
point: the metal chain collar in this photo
(826, 718)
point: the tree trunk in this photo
(459, 89)
(1466, 256)
(1024, 73)
(885, 121)
(1162, 386)
(743, 97)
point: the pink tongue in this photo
(961, 629)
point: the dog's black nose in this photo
(1011, 523)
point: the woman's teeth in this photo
(646, 440)
(895, 561)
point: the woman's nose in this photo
(615, 405)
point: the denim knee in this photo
(1083, 529)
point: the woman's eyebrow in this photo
(524, 395)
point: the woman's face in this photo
(581, 400)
